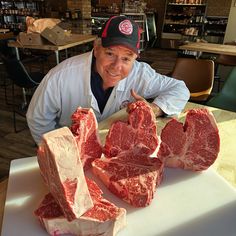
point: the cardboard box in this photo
(30, 38)
(56, 35)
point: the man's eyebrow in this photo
(109, 48)
(127, 51)
(130, 53)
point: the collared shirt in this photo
(67, 86)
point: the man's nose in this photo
(117, 63)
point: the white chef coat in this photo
(67, 86)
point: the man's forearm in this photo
(156, 110)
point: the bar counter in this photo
(210, 48)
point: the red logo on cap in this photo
(126, 27)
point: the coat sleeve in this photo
(170, 94)
(43, 108)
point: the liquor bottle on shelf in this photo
(184, 20)
(13, 13)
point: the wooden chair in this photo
(226, 98)
(198, 75)
(20, 77)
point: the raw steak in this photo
(137, 134)
(62, 171)
(130, 177)
(84, 128)
(193, 145)
(103, 219)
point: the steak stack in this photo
(74, 205)
(132, 178)
(128, 170)
(103, 219)
(193, 145)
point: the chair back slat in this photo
(198, 75)
(18, 73)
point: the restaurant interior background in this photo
(207, 13)
(164, 31)
(166, 23)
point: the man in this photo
(105, 79)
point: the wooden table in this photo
(210, 48)
(225, 164)
(6, 34)
(4, 31)
(76, 39)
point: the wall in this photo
(159, 7)
(55, 8)
(230, 34)
(108, 2)
(218, 7)
(83, 25)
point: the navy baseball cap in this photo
(120, 30)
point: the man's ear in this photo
(95, 49)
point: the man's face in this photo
(113, 63)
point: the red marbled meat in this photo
(62, 171)
(130, 177)
(193, 145)
(138, 134)
(84, 128)
(103, 219)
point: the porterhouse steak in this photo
(84, 128)
(103, 219)
(193, 145)
(62, 171)
(128, 170)
(138, 134)
(131, 177)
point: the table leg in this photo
(17, 53)
(24, 104)
(57, 57)
(66, 53)
(199, 54)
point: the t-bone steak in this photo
(130, 177)
(193, 145)
(84, 128)
(103, 219)
(138, 134)
(62, 171)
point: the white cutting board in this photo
(186, 204)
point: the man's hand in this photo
(156, 110)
